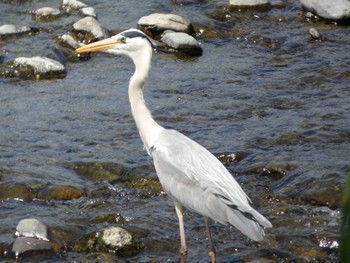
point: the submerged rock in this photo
(32, 228)
(60, 192)
(334, 10)
(15, 190)
(94, 171)
(157, 23)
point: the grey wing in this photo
(195, 178)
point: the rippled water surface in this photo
(262, 89)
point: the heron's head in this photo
(128, 42)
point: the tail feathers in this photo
(250, 223)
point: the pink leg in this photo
(212, 254)
(179, 212)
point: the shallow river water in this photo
(262, 91)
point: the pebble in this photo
(31, 228)
(315, 35)
(334, 10)
(159, 22)
(90, 25)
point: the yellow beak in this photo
(98, 46)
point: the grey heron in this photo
(193, 177)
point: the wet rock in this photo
(88, 29)
(112, 239)
(144, 187)
(249, 2)
(60, 192)
(333, 10)
(31, 228)
(98, 171)
(88, 11)
(25, 247)
(109, 218)
(67, 46)
(228, 157)
(72, 5)
(18, 191)
(11, 30)
(182, 42)
(315, 35)
(324, 191)
(157, 23)
(46, 14)
(68, 41)
(33, 68)
(276, 171)
(32, 240)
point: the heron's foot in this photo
(183, 256)
(212, 256)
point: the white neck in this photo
(149, 129)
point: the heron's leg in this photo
(179, 211)
(212, 249)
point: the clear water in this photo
(264, 82)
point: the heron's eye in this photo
(123, 40)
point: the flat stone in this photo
(334, 10)
(14, 29)
(165, 21)
(179, 40)
(182, 42)
(248, 2)
(31, 228)
(47, 11)
(41, 65)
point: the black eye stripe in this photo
(136, 33)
